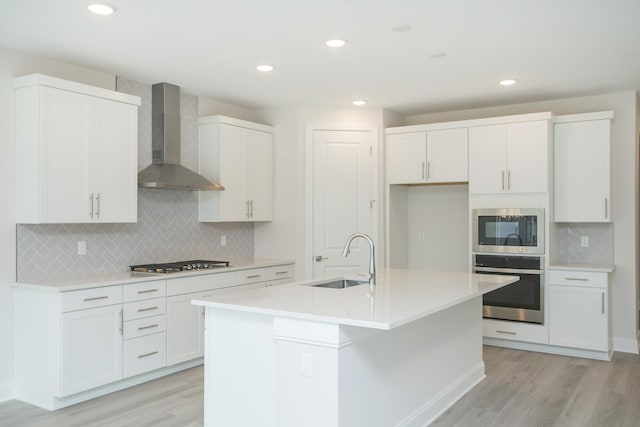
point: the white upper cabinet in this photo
(509, 158)
(436, 156)
(77, 150)
(239, 155)
(583, 168)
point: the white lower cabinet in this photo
(144, 354)
(91, 348)
(579, 310)
(185, 329)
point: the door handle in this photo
(319, 258)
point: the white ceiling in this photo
(555, 48)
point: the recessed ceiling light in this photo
(102, 8)
(401, 28)
(508, 82)
(359, 102)
(264, 68)
(336, 43)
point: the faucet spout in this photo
(372, 253)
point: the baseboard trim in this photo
(625, 345)
(7, 391)
(549, 349)
(436, 406)
(53, 403)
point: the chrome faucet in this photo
(372, 252)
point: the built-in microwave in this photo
(508, 230)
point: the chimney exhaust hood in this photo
(165, 171)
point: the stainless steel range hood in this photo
(166, 172)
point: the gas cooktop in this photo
(176, 267)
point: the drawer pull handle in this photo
(141, 328)
(255, 276)
(507, 332)
(577, 279)
(281, 272)
(147, 291)
(96, 298)
(147, 354)
(147, 309)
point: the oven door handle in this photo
(506, 270)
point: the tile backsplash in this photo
(569, 249)
(167, 229)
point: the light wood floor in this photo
(521, 389)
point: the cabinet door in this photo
(447, 156)
(66, 156)
(185, 328)
(233, 173)
(487, 159)
(527, 157)
(578, 317)
(115, 161)
(583, 171)
(406, 158)
(260, 175)
(91, 348)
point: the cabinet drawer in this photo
(144, 308)
(279, 272)
(279, 282)
(200, 283)
(90, 298)
(144, 354)
(254, 275)
(515, 331)
(141, 327)
(593, 279)
(144, 290)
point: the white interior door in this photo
(342, 200)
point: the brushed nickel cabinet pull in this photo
(428, 170)
(147, 354)
(281, 272)
(147, 309)
(147, 291)
(503, 180)
(423, 176)
(606, 208)
(506, 332)
(121, 322)
(577, 279)
(98, 208)
(96, 298)
(91, 204)
(509, 180)
(142, 328)
(603, 303)
(254, 276)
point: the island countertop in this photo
(399, 297)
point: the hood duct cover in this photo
(166, 172)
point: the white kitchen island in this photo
(298, 355)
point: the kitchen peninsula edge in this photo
(396, 354)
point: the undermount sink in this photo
(340, 284)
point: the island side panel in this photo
(239, 369)
(331, 375)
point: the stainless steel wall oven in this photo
(521, 301)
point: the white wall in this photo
(13, 64)
(624, 193)
(286, 236)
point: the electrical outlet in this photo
(306, 364)
(223, 240)
(421, 237)
(584, 241)
(82, 247)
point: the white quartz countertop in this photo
(399, 297)
(74, 283)
(598, 268)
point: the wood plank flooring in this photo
(521, 389)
